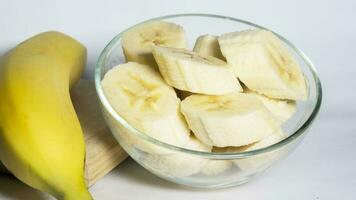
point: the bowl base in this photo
(208, 185)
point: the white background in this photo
(324, 165)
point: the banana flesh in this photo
(262, 160)
(229, 120)
(208, 45)
(189, 71)
(264, 64)
(176, 164)
(216, 167)
(137, 42)
(139, 94)
(283, 110)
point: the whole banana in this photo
(41, 141)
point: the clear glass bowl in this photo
(205, 169)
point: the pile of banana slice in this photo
(232, 91)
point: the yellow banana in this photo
(41, 141)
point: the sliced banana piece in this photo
(229, 120)
(139, 94)
(189, 71)
(261, 161)
(137, 42)
(180, 164)
(216, 167)
(208, 45)
(271, 139)
(283, 110)
(264, 64)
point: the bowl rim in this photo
(212, 155)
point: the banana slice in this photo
(139, 94)
(180, 164)
(264, 64)
(216, 167)
(189, 71)
(281, 109)
(137, 42)
(208, 45)
(260, 161)
(271, 139)
(230, 120)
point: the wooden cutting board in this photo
(103, 153)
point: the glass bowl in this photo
(206, 169)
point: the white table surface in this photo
(324, 165)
